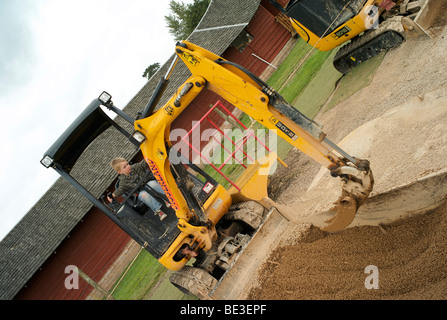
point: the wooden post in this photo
(96, 286)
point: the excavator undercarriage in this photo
(370, 44)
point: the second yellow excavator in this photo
(364, 28)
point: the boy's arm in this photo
(144, 168)
(117, 193)
(121, 189)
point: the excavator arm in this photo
(255, 98)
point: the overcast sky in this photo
(56, 56)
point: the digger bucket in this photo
(355, 189)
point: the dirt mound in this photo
(410, 256)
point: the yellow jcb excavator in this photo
(364, 28)
(204, 217)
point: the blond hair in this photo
(116, 162)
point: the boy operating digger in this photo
(130, 176)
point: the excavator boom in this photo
(252, 96)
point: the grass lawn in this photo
(298, 79)
(319, 89)
(167, 291)
(140, 278)
(356, 79)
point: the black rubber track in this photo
(365, 47)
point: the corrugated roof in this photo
(49, 222)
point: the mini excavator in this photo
(362, 28)
(203, 216)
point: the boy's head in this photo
(121, 166)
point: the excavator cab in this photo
(158, 234)
(66, 152)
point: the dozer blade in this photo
(419, 25)
(254, 180)
(428, 13)
(419, 196)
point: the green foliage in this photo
(291, 81)
(150, 71)
(181, 22)
(185, 17)
(319, 89)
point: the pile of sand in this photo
(411, 257)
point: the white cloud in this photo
(57, 56)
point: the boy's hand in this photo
(110, 197)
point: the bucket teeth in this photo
(354, 194)
(346, 208)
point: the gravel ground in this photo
(410, 255)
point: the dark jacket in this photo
(137, 174)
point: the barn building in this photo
(63, 228)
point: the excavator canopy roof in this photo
(76, 138)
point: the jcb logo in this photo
(169, 110)
(190, 59)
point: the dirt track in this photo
(411, 256)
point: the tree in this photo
(181, 23)
(150, 71)
(185, 17)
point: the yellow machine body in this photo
(349, 29)
(244, 93)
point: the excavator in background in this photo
(362, 28)
(205, 220)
